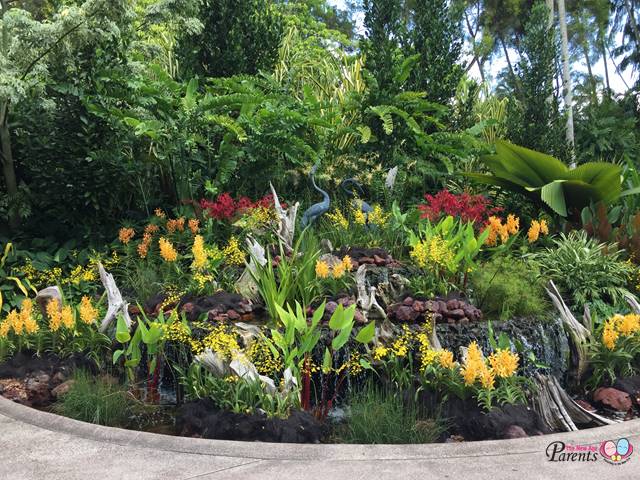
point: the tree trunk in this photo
(568, 90)
(592, 80)
(506, 54)
(8, 165)
(606, 66)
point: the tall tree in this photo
(239, 37)
(566, 74)
(436, 35)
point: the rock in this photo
(379, 260)
(514, 431)
(406, 314)
(14, 390)
(418, 306)
(330, 307)
(62, 389)
(367, 260)
(359, 317)
(613, 398)
(37, 388)
(456, 314)
(630, 385)
(453, 304)
(408, 302)
(44, 296)
(233, 315)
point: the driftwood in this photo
(558, 410)
(114, 297)
(633, 302)
(578, 333)
(367, 297)
(287, 221)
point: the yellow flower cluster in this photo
(337, 219)
(619, 325)
(262, 357)
(202, 279)
(432, 252)
(402, 344)
(54, 314)
(20, 322)
(475, 368)
(358, 215)
(429, 356)
(199, 253)
(233, 254)
(504, 363)
(55, 275)
(378, 216)
(126, 234)
(537, 228)
(380, 352)
(167, 250)
(221, 340)
(261, 216)
(338, 270)
(88, 313)
(497, 229)
(159, 213)
(177, 331)
(67, 317)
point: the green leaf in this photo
(342, 338)
(327, 361)
(122, 331)
(366, 333)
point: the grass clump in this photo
(506, 288)
(96, 400)
(379, 415)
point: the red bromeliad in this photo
(467, 207)
(224, 207)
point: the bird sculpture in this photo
(316, 210)
(349, 186)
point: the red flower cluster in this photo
(224, 207)
(469, 208)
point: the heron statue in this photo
(317, 209)
(350, 186)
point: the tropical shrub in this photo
(504, 289)
(588, 272)
(548, 181)
(615, 349)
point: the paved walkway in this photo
(40, 446)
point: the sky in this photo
(499, 62)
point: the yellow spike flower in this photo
(88, 313)
(167, 251)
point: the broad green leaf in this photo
(366, 333)
(342, 338)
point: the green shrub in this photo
(505, 288)
(379, 415)
(96, 400)
(587, 271)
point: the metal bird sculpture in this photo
(349, 187)
(317, 209)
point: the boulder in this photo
(612, 398)
(62, 389)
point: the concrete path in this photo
(40, 446)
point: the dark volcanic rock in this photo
(202, 419)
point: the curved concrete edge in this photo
(280, 451)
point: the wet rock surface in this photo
(368, 256)
(219, 307)
(202, 419)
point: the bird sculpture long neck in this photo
(325, 195)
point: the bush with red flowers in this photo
(469, 208)
(224, 207)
